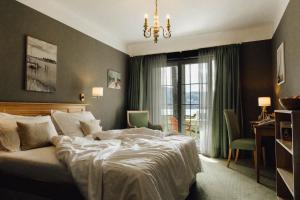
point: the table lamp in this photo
(263, 102)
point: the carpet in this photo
(217, 182)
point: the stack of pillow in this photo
(24, 132)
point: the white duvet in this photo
(131, 164)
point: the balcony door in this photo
(188, 88)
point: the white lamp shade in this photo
(97, 91)
(264, 101)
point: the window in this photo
(190, 87)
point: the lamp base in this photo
(263, 115)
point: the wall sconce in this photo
(263, 102)
(81, 97)
(97, 92)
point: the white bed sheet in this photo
(132, 164)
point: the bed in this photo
(58, 172)
(38, 164)
(37, 172)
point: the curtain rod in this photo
(182, 58)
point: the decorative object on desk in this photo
(268, 121)
(113, 79)
(280, 65)
(97, 92)
(290, 103)
(263, 102)
(156, 28)
(41, 66)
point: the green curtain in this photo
(227, 95)
(152, 91)
(144, 90)
(134, 90)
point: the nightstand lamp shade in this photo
(264, 101)
(97, 92)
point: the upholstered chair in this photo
(236, 142)
(138, 119)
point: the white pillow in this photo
(9, 136)
(69, 123)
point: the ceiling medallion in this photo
(156, 28)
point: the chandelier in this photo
(156, 28)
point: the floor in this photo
(238, 182)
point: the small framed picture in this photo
(280, 65)
(113, 79)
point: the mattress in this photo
(37, 164)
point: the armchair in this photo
(137, 119)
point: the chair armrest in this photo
(155, 126)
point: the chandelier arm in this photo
(166, 33)
(148, 32)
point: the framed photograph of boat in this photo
(41, 65)
(280, 65)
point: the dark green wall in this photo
(82, 63)
(256, 81)
(288, 32)
(256, 78)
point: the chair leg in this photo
(237, 152)
(229, 157)
(254, 158)
(264, 156)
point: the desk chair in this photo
(236, 142)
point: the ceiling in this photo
(119, 23)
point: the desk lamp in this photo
(263, 102)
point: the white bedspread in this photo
(131, 164)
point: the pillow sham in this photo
(34, 135)
(9, 136)
(69, 123)
(90, 127)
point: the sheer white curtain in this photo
(167, 102)
(152, 97)
(207, 77)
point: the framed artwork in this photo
(41, 65)
(280, 65)
(113, 79)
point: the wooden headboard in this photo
(33, 109)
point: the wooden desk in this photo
(261, 131)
